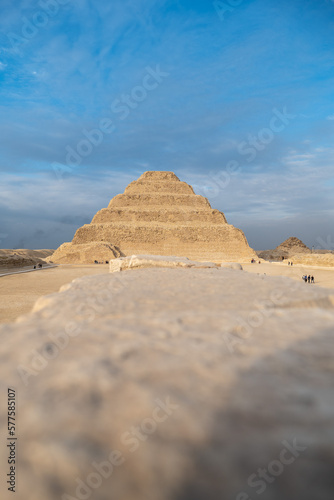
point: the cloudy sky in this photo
(235, 97)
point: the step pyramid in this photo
(158, 215)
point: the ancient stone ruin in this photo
(288, 248)
(157, 215)
(293, 245)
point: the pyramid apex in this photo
(156, 175)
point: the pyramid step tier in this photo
(193, 241)
(183, 215)
(158, 176)
(159, 200)
(169, 187)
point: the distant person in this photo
(34, 267)
(309, 278)
(288, 262)
(291, 264)
(312, 279)
(305, 278)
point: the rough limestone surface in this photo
(144, 261)
(173, 384)
(288, 248)
(158, 214)
(232, 265)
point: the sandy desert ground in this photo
(324, 276)
(18, 293)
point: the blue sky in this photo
(238, 104)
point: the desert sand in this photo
(159, 384)
(19, 292)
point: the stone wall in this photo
(198, 378)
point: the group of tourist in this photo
(290, 263)
(308, 279)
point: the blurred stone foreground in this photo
(173, 384)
